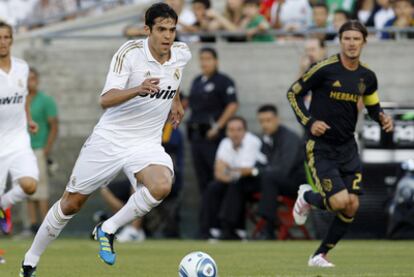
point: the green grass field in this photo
(78, 258)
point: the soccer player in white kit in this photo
(141, 91)
(16, 154)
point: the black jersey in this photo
(335, 95)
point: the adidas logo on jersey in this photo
(162, 94)
(337, 84)
(16, 99)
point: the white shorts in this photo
(19, 164)
(100, 161)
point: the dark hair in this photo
(34, 71)
(206, 3)
(344, 12)
(353, 25)
(267, 108)
(238, 118)
(411, 2)
(8, 26)
(252, 2)
(159, 10)
(320, 5)
(210, 50)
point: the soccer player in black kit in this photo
(337, 84)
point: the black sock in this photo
(336, 231)
(315, 199)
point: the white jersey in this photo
(141, 119)
(13, 121)
(245, 156)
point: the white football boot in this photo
(302, 208)
(319, 261)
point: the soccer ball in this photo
(197, 264)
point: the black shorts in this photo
(121, 190)
(334, 167)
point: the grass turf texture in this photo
(77, 257)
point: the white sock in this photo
(138, 205)
(13, 196)
(50, 229)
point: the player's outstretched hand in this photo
(386, 122)
(176, 113)
(149, 86)
(319, 128)
(33, 127)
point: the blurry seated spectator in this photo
(339, 18)
(234, 180)
(320, 19)
(203, 20)
(384, 14)
(291, 15)
(254, 23)
(116, 195)
(47, 9)
(315, 51)
(404, 17)
(334, 5)
(365, 12)
(185, 18)
(284, 170)
(230, 20)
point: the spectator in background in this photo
(212, 101)
(291, 15)
(254, 23)
(320, 19)
(365, 12)
(234, 181)
(203, 21)
(230, 20)
(334, 5)
(284, 170)
(315, 51)
(384, 14)
(44, 113)
(404, 17)
(339, 18)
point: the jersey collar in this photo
(150, 58)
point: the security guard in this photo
(212, 100)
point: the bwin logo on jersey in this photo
(162, 94)
(15, 99)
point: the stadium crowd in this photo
(254, 20)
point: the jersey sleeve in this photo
(371, 98)
(296, 93)
(119, 69)
(183, 51)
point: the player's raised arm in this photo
(115, 97)
(372, 103)
(296, 94)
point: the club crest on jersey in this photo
(361, 86)
(20, 83)
(177, 74)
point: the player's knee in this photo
(161, 187)
(29, 186)
(70, 207)
(339, 204)
(353, 207)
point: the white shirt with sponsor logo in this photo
(244, 156)
(13, 122)
(141, 119)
